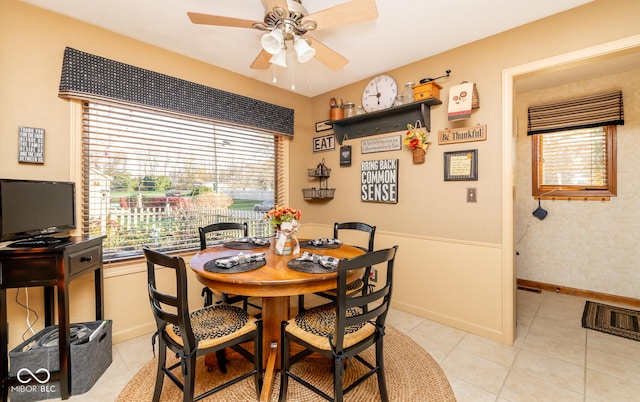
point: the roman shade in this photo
(603, 109)
(87, 76)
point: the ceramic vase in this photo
(283, 244)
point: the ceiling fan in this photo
(288, 20)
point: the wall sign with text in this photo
(464, 134)
(30, 145)
(461, 165)
(379, 181)
(324, 143)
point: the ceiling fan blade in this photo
(270, 4)
(262, 61)
(327, 56)
(208, 19)
(343, 14)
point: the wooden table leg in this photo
(274, 311)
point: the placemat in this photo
(307, 244)
(246, 267)
(308, 267)
(243, 245)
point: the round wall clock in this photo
(379, 93)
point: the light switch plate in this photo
(472, 195)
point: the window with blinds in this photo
(575, 163)
(153, 178)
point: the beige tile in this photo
(613, 344)
(550, 370)
(466, 392)
(438, 350)
(136, 352)
(554, 347)
(491, 350)
(439, 332)
(476, 370)
(567, 330)
(605, 388)
(613, 365)
(562, 308)
(522, 387)
(403, 321)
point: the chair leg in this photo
(257, 353)
(382, 381)
(338, 371)
(162, 361)
(208, 296)
(189, 379)
(284, 366)
(221, 359)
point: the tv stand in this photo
(40, 242)
(50, 267)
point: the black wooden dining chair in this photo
(224, 231)
(342, 330)
(192, 334)
(361, 284)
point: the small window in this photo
(575, 164)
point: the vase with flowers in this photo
(417, 139)
(285, 221)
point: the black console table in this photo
(50, 267)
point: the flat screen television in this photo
(35, 208)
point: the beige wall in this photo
(451, 263)
(583, 245)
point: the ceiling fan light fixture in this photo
(272, 41)
(304, 51)
(280, 59)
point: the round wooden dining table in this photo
(275, 282)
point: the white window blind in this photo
(154, 178)
(576, 158)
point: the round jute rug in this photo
(411, 373)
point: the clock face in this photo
(379, 93)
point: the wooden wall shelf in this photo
(385, 121)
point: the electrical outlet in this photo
(472, 195)
(373, 275)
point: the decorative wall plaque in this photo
(379, 181)
(381, 144)
(461, 165)
(30, 145)
(325, 143)
(464, 134)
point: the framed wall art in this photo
(31, 145)
(461, 165)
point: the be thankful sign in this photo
(464, 134)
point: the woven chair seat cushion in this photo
(213, 325)
(352, 287)
(316, 324)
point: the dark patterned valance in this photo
(590, 111)
(89, 76)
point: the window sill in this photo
(573, 198)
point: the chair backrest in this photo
(364, 227)
(216, 227)
(170, 308)
(371, 307)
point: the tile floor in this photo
(553, 358)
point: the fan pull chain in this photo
(293, 77)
